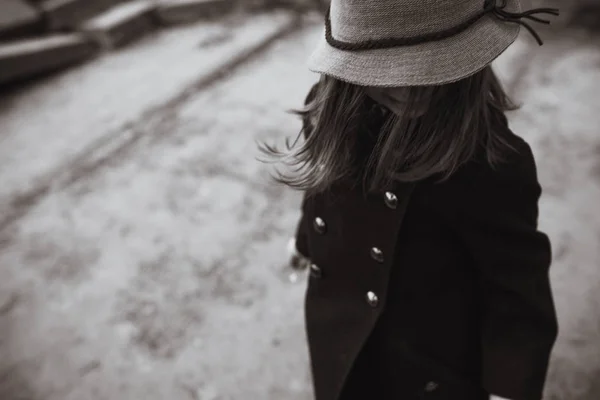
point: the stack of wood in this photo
(40, 36)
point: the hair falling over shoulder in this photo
(461, 120)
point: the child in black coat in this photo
(428, 275)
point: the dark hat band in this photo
(490, 6)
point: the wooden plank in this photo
(121, 24)
(183, 11)
(29, 57)
(18, 18)
(69, 14)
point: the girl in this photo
(428, 275)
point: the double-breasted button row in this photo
(391, 201)
(320, 226)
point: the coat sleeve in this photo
(301, 235)
(498, 223)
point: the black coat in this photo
(430, 290)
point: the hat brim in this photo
(432, 63)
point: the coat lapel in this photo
(343, 304)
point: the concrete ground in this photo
(160, 273)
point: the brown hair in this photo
(462, 118)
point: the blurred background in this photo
(142, 246)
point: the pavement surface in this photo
(160, 273)
(79, 113)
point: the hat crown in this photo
(359, 20)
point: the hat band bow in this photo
(490, 6)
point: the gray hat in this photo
(417, 42)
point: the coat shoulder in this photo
(518, 169)
(479, 187)
(518, 165)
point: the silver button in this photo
(320, 225)
(431, 386)
(377, 254)
(372, 299)
(315, 271)
(391, 200)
